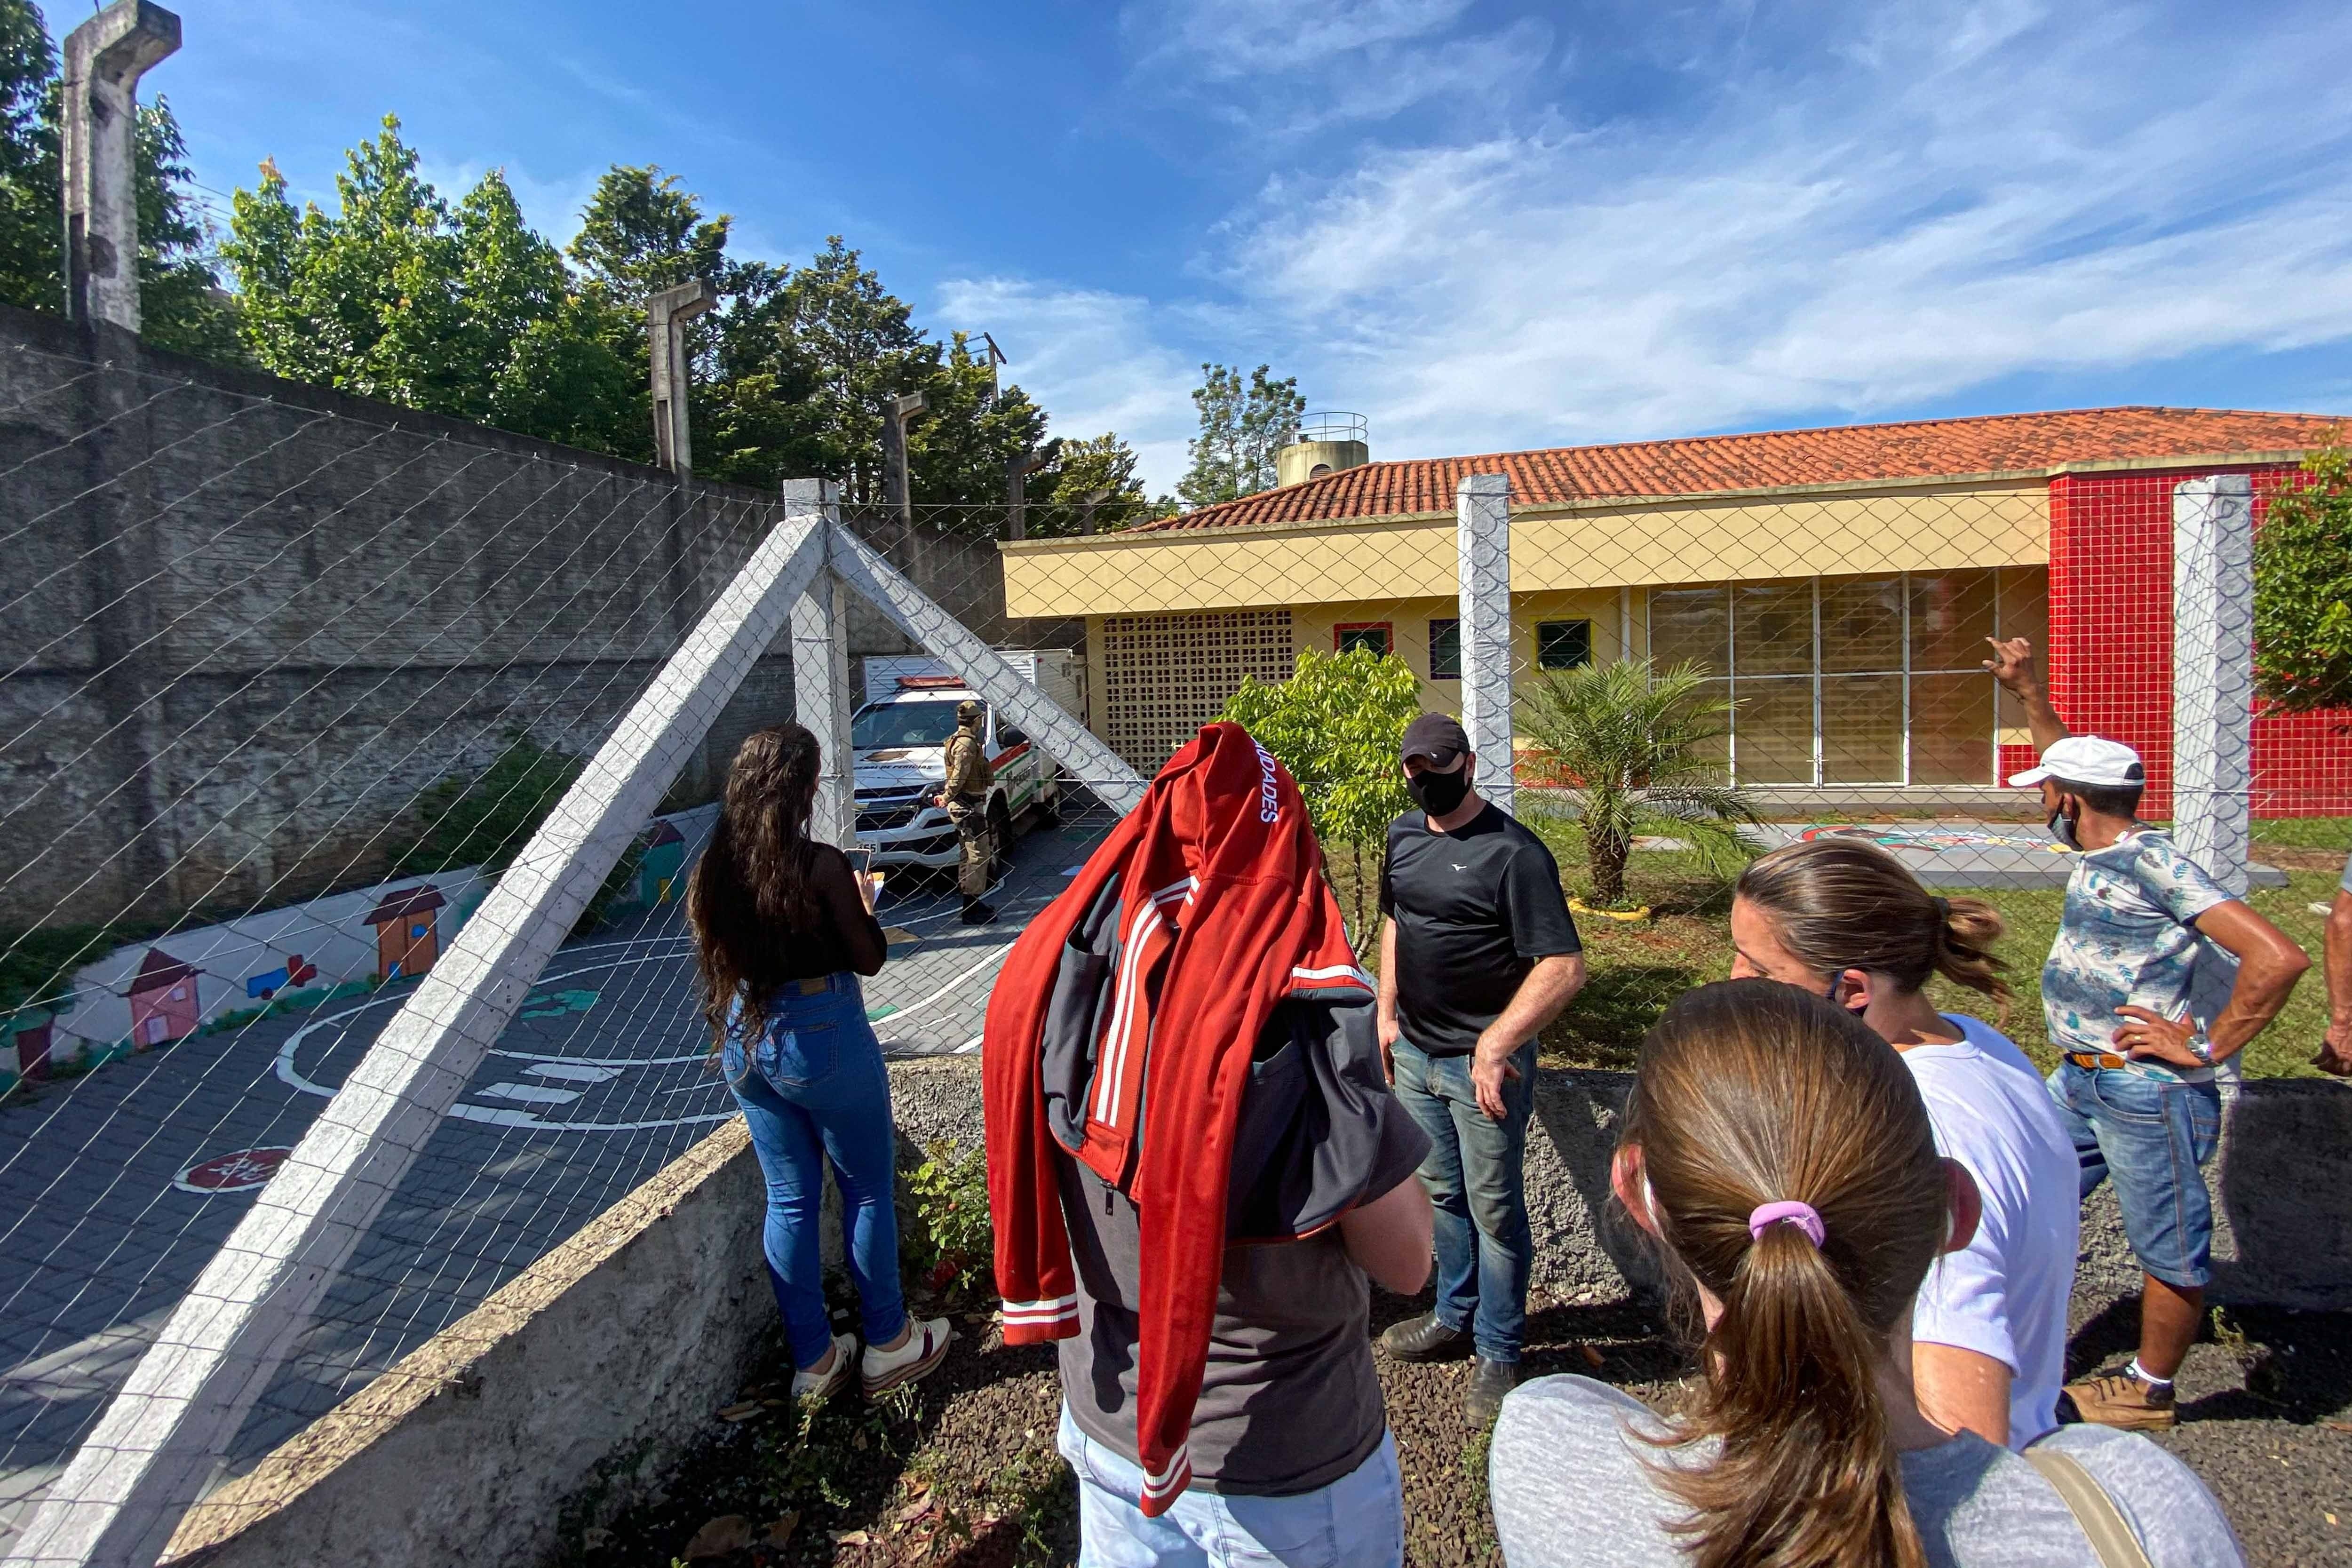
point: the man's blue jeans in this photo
(1474, 1174)
(814, 1090)
(2149, 1136)
(1356, 1521)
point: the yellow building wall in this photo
(1605, 546)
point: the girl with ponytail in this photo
(1781, 1157)
(1846, 921)
(782, 928)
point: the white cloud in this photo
(1965, 207)
(1096, 361)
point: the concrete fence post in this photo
(2213, 673)
(104, 59)
(2213, 695)
(1482, 509)
(667, 314)
(821, 670)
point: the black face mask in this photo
(2062, 828)
(1438, 794)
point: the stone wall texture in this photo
(244, 622)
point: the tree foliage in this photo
(1101, 465)
(1243, 424)
(182, 307)
(1634, 749)
(2303, 588)
(1337, 724)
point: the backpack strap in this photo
(2093, 1509)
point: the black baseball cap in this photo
(1435, 739)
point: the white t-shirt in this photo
(2004, 1295)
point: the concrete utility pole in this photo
(667, 314)
(897, 490)
(1016, 486)
(105, 57)
(1092, 500)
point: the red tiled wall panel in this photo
(2110, 655)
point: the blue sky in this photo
(1486, 225)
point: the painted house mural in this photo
(405, 942)
(142, 996)
(163, 1001)
(661, 860)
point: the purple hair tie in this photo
(1802, 1216)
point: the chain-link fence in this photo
(354, 763)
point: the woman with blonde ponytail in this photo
(1782, 1159)
(783, 926)
(1846, 921)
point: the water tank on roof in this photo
(1323, 444)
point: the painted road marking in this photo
(238, 1171)
(527, 1093)
(571, 1072)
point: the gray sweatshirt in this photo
(1571, 1485)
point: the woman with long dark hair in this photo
(783, 926)
(1781, 1157)
(1845, 920)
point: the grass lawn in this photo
(1637, 969)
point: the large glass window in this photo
(1856, 680)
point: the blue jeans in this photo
(2150, 1135)
(1356, 1521)
(1474, 1174)
(814, 1091)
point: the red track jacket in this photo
(1222, 912)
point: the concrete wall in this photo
(573, 1389)
(247, 620)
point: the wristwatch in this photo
(2201, 1047)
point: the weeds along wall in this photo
(248, 621)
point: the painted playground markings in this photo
(239, 1170)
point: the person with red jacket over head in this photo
(1193, 1162)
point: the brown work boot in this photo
(2119, 1399)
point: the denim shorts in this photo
(2149, 1136)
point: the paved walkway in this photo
(123, 1184)
(1961, 853)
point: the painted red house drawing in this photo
(405, 943)
(163, 1000)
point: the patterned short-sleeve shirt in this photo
(2126, 937)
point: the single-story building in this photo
(1840, 583)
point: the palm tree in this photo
(1631, 745)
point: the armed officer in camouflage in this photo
(966, 799)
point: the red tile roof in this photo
(1702, 465)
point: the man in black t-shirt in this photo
(1477, 955)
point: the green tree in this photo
(1633, 748)
(462, 310)
(957, 453)
(2303, 588)
(862, 346)
(1337, 724)
(1101, 464)
(1243, 424)
(182, 307)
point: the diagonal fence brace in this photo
(155, 1448)
(1056, 730)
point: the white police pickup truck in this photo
(899, 736)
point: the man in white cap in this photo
(2135, 1080)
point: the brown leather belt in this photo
(2096, 1059)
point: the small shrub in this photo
(947, 1241)
(2303, 588)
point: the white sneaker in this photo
(926, 1346)
(827, 1381)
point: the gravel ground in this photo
(963, 1472)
